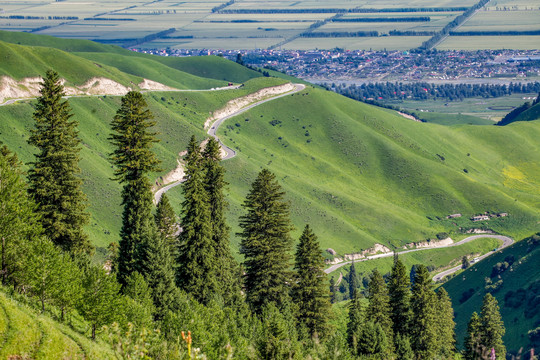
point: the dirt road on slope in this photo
(507, 241)
(229, 153)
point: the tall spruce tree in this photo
(214, 184)
(492, 327)
(54, 175)
(356, 321)
(159, 271)
(423, 325)
(473, 346)
(197, 267)
(400, 298)
(446, 336)
(378, 309)
(310, 292)
(352, 279)
(266, 243)
(134, 160)
(166, 223)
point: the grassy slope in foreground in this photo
(359, 174)
(521, 275)
(26, 335)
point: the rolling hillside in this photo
(358, 174)
(512, 275)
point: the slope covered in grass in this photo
(141, 65)
(361, 175)
(18, 61)
(27, 335)
(515, 284)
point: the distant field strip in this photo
(342, 10)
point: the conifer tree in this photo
(134, 160)
(378, 309)
(266, 243)
(310, 292)
(352, 279)
(356, 320)
(492, 327)
(400, 298)
(166, 224)
(373, 341)
(100, 301)
(446, 341)
(423, 326)
(159, 270)
(332, 290)
(214, 184)
(277, 339)
(142, 248)
(473, 348)
(197, 268)
(18, 224)
(54, 182)
(403, 347)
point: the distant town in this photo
(360, 66)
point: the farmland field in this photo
(493, 109)
(503, 21)
(249, 24)
(490, 42)
(375, 43)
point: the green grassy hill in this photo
(517, 289)
(361, 175)
(172, 71)
(358, 174)
(27, 335)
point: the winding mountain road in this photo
(507, 241)
(230, 153)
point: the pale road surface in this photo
(215, 125)
(505, 239)
(506, 242)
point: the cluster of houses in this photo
(370, 65)
(482, 217)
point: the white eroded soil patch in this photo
(154, 85)
(29, 87)
(241, 102)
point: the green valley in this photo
(315, 176)
(361, 175)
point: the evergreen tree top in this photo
(212, 150)
(308, 254)
(267, 216)
(132, 139)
